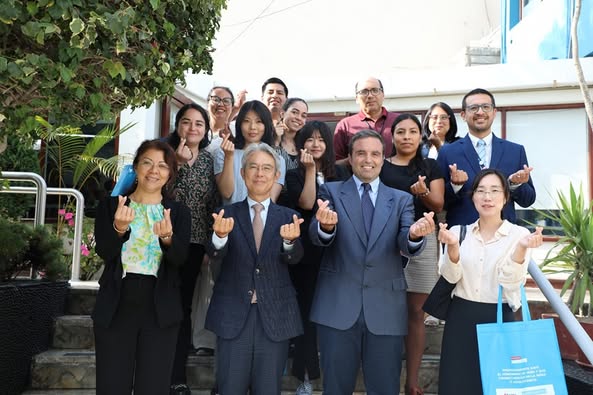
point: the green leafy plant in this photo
(23, 247)
(75, 156)
(18, 156)
(90, 262)
(74, 62)
(573, 252)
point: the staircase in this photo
(69, 366)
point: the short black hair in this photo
(477, 91)
(364, 134)
(378, 80)
(274, 80)
(289, 102)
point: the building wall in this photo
(541, 30)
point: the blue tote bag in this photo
(126, 179)
(520, 358)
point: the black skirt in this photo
(459, 371)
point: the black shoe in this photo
(179, 389)
(204, 352)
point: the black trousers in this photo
(189, 274)
(306, 353)
(134, 352)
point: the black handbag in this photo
(437, 303)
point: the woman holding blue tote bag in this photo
(494, 252)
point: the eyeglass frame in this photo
(369, 92)
(442, 117)
(474, 108)
(493, 193)
(227, 101)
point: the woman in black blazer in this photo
(143, 238)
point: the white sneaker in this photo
(304, 389)
(431, 321)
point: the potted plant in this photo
(28, 306)
(573, 254)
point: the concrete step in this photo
(73, 332)
(60, 369)
(76, 332)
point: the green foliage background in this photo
(74, 62)
(19, 156)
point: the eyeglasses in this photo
(483, 192)
(372, 92)
(148, 164)
(474, 108)
(227, 101)
(441, 117)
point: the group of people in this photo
(322, 244)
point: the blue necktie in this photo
(367, 207)
(481, 149)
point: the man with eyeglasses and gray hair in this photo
(480, 149)
(372, 115)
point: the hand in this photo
(280, 128)
(124, 215)
(534, 239)
(435, 139)
(446, 236)
(424, 226)
(419, 187)
(222, 226)
(307, 159)
(227, 146)
(326, 217)
(522, 176)
(163, 228)
(458, 177)
(241, 97)
(292, 231)
(183, 152)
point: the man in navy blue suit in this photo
(360, 299)
(254, 310)
(463, 159)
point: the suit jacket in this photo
(241, 269)
(364, 273)
(167, 296)
(507, 157)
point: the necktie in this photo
(258, 225)
(367, 207)
(481, 149)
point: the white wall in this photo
(147, 126)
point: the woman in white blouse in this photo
(494, 252)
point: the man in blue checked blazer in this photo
(360, 299)
(463, 159)
(254, 310)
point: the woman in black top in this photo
(317, 166)
(408, 171)
(143, 238)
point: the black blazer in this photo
(167, 297)
(243, 269)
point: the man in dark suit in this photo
(463, 159)
(254, 310)
(360, 300)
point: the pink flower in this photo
(71, 222)
(68, 215)
(84, 250)
(61, 211)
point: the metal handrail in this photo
(568, 319)
(41, 191)
(75, 271)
